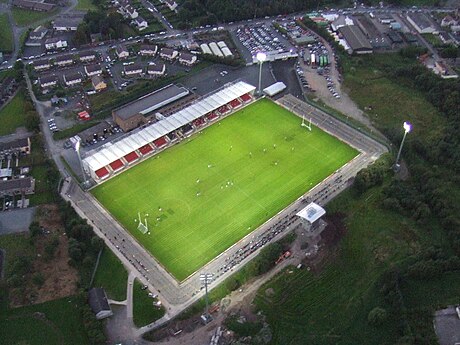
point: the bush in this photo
(232, 284)
(38, 279)
(377, 316)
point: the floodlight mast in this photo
(77, 150)
(407, 128)
(206, 278)
(261, 57)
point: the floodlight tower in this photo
(407, 128)
(206, 278)
(261, 57)
(77, 150)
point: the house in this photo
(140, 23)
(122, 52)
(16, 145)
(55, 43)
(38, 33)
(92, 70)
(87, 56)
(148, 50)
(99, 304)
(187, 58)
(33, 5)
(156, 69)
(64, 60)
(18, 186)
(98, 83)
(168, 53)
(445, 38)
(127, 10)
(133, 70)
(41, 65)
(171, 4)
(66, 24)
(72, 79)
(448, 21)
(47, 81)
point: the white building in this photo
(168, 53)
(141, 23)
(72, 79)
(148, 50)
(122, 52)
(187, 59)
(55, 43)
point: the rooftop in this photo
(14, 144)
(15, 184)
(98, 300)
(312, 212)
(420, 19)
(355, 38)
(151, 101)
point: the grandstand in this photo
(113, 157)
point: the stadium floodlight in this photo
(206, 278)
(407, 128)
(77, 145)
(261, 57)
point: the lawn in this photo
(26, 18)
(12, 115)
(143, 310)
(85, 5)
(111, 275)
(6, 36)
(60, 324)
(205, 194)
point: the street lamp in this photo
(206, 278)
(407, 128)
(261, 57)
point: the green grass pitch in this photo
(206, 193)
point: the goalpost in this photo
(142, 227)
(303, 124)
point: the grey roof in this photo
(157, 67)
(96, 79)
(167, 51)
(186, 56)
(54, 40)
(14, 144)
(148, 47)
(98, 300)
(121, 48)
(132, 68)
(48, 79)
(87, 53)
(152, 101)
(41, 62)
(420, 19)
(93, 68)
(67, 22)
(72, 76)
(355, 38)
(64, 58)
(38, 32)
(15, 184)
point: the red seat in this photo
(131, 157)
(117, 165)
(160, 142)
(145, 149)
(102, 173)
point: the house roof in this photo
(132, 68)
(54, 40)
(97, 79)
(64, 58)
(121, 48)
(87, 53)
(98, 300)
(72, 76)
(41, 62)
(67, 22)
(14, 144)
(20, 183)
(167, 51)
(157, 67)
(186, 56)
(93, 68)
(48, 79)
(148, 47)
(38, 32)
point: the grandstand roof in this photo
(152, 101)
(114, 150)
(312, 212)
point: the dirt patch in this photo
(269, 292)
(51, 276)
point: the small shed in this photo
(311, 214)
(99, 303)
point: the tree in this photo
(377, 316)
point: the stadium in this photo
(187, 203)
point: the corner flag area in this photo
(203, 195)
